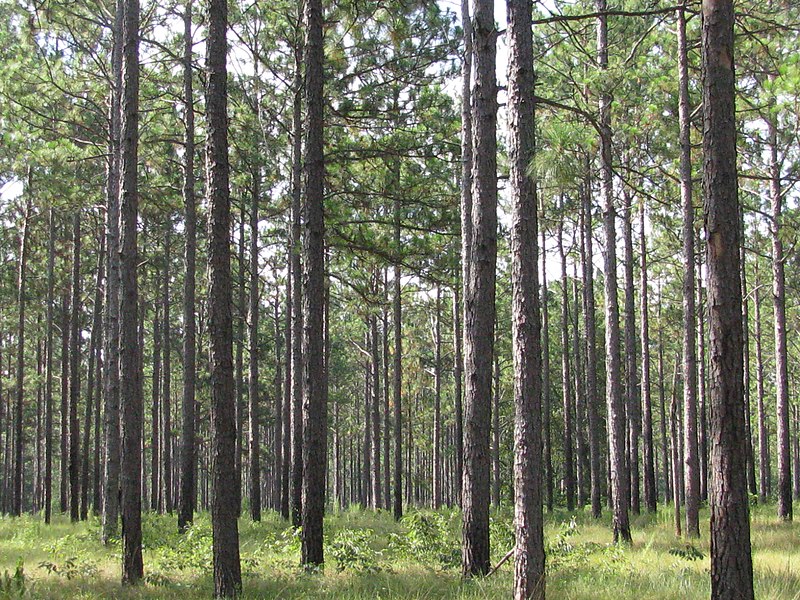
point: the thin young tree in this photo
(254, 443)
(731, 558)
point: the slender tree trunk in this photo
(731, 558)
(579, 379)
(458, 373)
(20, 374)
(375, 420)
(650, 488)
(238, 340)
(254, 447)
(48, 389)
(547, 442)
(616, 408)
(397, 318)
(566, 386)
(667, 471)
(592, 401)
(74, 376)
(781, 354)
(297, 295)
(187, 498)
(92, 392)
(437, 404)
(676, 451)
(155, 411)
(65, 340)
(796, 452)
(315, 401)
(165, 492)
(631, 376)
(387, 479)
(763, 430)
(529, 582)
(286, 418)
(691, 463)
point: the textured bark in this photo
(568, 464)
(111, 424)
(74, 376)
(187, 498)
(650, 489)
(64, 424)
(224, 506)
(286, 419)
(779, 310)
(479, 296)
(495, 448)
(19, 391)
(238, 337)
(526, 318)
(731, 559)
(387, 479)
(130, 391)
(315, 401)
(254, 443)
(702, 431)
(297, 295)
(667, 471)
(590, 327)
(616, 408)
(676, 451)
(375, 420)
(691, 464)
(397, 376)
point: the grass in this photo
(370, 557)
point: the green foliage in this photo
(352, 551)
(70, 567)
(427, 538)
(688, 552)
(14, 585)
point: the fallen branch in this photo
(501, 563)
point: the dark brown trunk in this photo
(74, 376)
(632, 400)
(315, 401)
(187, 497)
(225, 478)
(48, 389)
(763, 428)
(458, 374)
(650, 489)
(731, 558)
(165, 491)
(254, 443)
(479, 296)
(566, 383)
(529, 582)
(437, 403)
(155, 411)
(375, 420)
(547, 441)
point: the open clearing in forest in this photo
(370, 556)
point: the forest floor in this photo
(371, 556)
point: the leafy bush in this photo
(427, 538)
(688, 552)
(70, 567)
(352, 551)
(14, 586)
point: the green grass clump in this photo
(371, 556)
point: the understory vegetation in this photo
(372, 556)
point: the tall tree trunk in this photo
(547, 441)
(111, 322)
(92, 392)
(616, 408)
(187, 498)
(20, 374)
(526, 320)
(781, 355)
(702, 435)
(130, 394)
(676, 451)
(458, 410)
(466, 225)
(592, 401)
(437, 404)
(479, 296)
(579, 378)
(387, 479)
(65, 340)
(632, 400)
(375, 420)
(691, 463)
(297, 293)
(48, 389)
(566, 384)
(650, 488)
(254, 444)
(286, 418)
(225, 481)
(667, 471)
(731, 558)
(166, 402)
(74, 376)
(238, 337)
(315, 401)
(397, 376)
(155, 410)
(763, 428)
